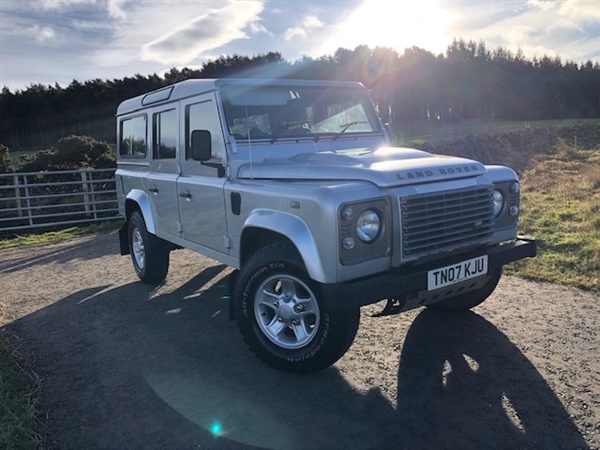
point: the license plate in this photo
(455, 273)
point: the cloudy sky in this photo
(56, 41)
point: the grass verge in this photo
(18, 423)
(560, 204)
(61, 235)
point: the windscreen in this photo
(274, 112)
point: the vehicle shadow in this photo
(65, 251)
(140, 367)
(463, 384)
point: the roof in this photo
(193, 87)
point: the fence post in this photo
(86, 197)
(28, 200)
(18, 195)
(91, 174)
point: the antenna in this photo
(249, 141)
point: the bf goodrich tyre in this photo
(281, 317)
(149, 253)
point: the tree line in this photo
(468, 82)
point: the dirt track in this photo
(123, 366)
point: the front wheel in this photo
(149, 253)
(471, 299)
(281, 317)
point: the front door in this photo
(200, 186)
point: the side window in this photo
(165, 135)
(133, 137)
(203, 116)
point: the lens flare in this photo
(216, 429)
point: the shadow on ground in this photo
(129, 367)
(61, 253)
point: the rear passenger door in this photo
(200, 186)
(164, 170)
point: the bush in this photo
(5, 166)
(71, 152)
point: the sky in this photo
(58, 41)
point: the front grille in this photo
(443, 221)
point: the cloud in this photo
(43, 34)
(292, 33)
(312, 22)
(544, 5)
(114, 8)
(309, 22)
(209, 31)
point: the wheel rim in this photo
(287, 311)
(137, 247)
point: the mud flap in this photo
(124, 239)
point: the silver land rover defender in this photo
(295, 184)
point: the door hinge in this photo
(179, 227)
(227, 242)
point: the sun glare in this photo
(399, 25)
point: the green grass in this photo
(61, 235)
(18, 423)
(419, 133)
(560, 207)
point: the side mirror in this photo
(201, 145)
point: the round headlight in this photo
(498, 203)
(368, 226)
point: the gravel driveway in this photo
(125, 366)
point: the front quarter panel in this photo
(297, 231)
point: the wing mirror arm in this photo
(202, 150)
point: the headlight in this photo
(368, 226)
(498, 203)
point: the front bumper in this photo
(409, 282)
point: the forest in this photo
(468, 82)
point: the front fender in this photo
(297, 231)
(141, 199)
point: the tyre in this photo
(149, 253)
(281, 317)
(471, 299)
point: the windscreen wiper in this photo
(345, 126)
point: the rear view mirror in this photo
(201, 145)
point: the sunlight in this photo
(398, 25)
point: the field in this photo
(411, 134)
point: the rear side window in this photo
(133, 137)
(165, 135)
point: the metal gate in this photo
(38, 200)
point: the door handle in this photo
(185, 195)
(153, 190)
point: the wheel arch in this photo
(138, 200)
(264, 227)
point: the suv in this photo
(295, 184)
